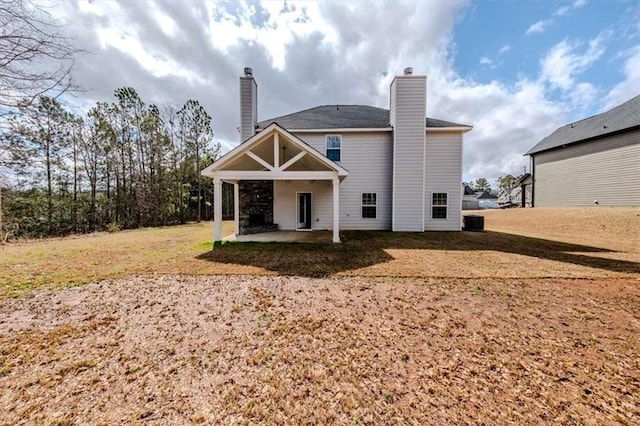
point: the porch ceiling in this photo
(275, 154)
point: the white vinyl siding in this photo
(408, 102)
(248, 107)
(606, 170)
(368, 158)
(443, 173)
(285, 204)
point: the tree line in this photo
(123, 164)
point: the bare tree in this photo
(35, 56)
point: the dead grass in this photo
(278, 350)
(534, 321)
(519, 243)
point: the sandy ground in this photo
(295, 350)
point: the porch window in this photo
(369, 205)
(439, 205)
(334, 146)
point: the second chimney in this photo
(248, 105)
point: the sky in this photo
(515, 70)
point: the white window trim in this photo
(326, 141)
(446, 206)
(368, 205)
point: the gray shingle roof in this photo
(622, 117)
(343, 117)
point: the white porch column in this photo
(336, 210)
(217, 210)
(236, 206)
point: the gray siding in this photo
(367, 157)
(285, 203)
(408, 100)
(607, 170)
(443, 173)
(248, 107)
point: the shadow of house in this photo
(363, 249)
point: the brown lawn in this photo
(534, 321)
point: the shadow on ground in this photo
(363, 249)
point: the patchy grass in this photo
(519, 243)
(297, 350)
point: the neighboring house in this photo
(469, 201)
(592, 161)
(485, 195)
(349, 167)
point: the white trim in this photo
(213, 169)
(236, 207)
(336, 210)
(326, 148)
(447, 206)
(217, 210)
(274, 175)
(291, 161)
(463, 129)
(298, 211)
(368, 205)
(259, 160)
(343, 130)
(276, 150)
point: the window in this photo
(369, 204)
(439, 205)
(334, 145)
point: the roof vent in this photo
(408, 71)
(248, 72)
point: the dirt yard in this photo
(534, 321)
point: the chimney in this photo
(407, 116)
(248, 105)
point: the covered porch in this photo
(280, 183)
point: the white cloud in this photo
(563, 62)
(320, 53)
(630, 86)
(539, 27)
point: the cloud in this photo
(563, 62)
(308, 54)
(539, 27)
(485, 61)
(630, 86)
(564, 10)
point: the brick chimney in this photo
(248, 105)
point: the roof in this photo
(468, 190)
(620, 118)
(486, 195)
(344, 117)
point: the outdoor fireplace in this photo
(256, 207)
(256, 219)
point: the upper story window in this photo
(334, 147)
(439, 204)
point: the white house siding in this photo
(606, 170)
(443, 173)
(409, 104)
(248, 107)
(367, 157)
(285, 203)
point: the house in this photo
(469, 201)
(350, 167)
(592, 161)
(485, 195)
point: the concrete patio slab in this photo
(284, 237)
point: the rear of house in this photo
(351, 167)
(595, 161)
